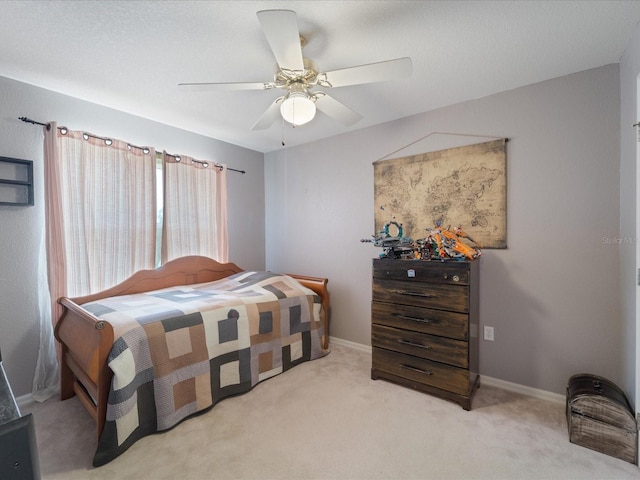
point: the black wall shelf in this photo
(16, 182)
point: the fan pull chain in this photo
(283, 142)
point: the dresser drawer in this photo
(445, 377)
(452, 273)
(430, 295)
(418, 319)
(431, 347)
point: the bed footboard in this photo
(319, 286)
(86, 342)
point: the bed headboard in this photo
(181, 271)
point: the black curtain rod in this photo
(28, 120)
(48, 125)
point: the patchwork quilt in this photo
(180, 350)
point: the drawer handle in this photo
(415, 319)
(413, 344)
(416, 294)
(416, 369)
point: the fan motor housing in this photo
(308, 77)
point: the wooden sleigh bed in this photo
(290, 327)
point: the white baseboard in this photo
(523, 389)
(25, 400)
(484, 380)
(347, 343)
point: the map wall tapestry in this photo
(464, 186)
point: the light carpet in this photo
(327, 419)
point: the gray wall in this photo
(553, 295)
(629, 228)
(21, 227)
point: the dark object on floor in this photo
(18, 450)
(600, 417)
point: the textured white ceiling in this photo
(130, 55)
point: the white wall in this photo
(629, 228)
(553, 295)
(21, 227)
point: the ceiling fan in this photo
(297, 76)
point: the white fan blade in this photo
(281, 29)
(212, 87)
(337, 110)
(269, 116)
(372, 72)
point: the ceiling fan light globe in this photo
(298, 109)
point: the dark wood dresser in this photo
(424, 331)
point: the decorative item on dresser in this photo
(424, 330)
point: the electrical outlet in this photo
(488, 333)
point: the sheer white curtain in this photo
(108, 209)
(195, 209)
(100, 220)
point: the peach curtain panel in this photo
(53, 219)
(195, 209)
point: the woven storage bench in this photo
(600, 417)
